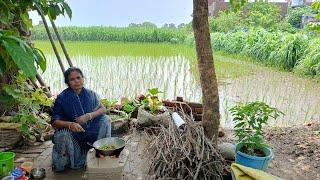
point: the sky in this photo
(121, 13)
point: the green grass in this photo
(109, 34)
(249, 61)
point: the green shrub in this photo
(29, 103)
(253, 15)
(260, 44)
(290, 52)
(262, 14)
(144, 25)
(278, 49)
(294, 16)
(316, 7)
(310, 63)
(212, 24)
(285, 26)
(225, 22)
(189, 40)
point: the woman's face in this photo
(75, 80)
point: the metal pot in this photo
(38, 173)
(8, 178)
(118, 143)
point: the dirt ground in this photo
(296, 151)
(134, 166)
(296, 154)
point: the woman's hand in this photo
(84, 118)
(75, 127)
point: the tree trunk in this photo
(208, 79)
(3, 81)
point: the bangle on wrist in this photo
(90, 116)
(70, 124)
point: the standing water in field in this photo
(116, 76)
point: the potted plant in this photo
(152, 112)
(119, 119)
(109, 104)
(251, 148)
(131, 107)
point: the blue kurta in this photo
(70, 148)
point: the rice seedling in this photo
(114, 75)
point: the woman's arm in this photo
(59, 121)
(75, 127)
(98, 112)
(60, 124)
(89, 116)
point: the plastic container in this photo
(27, 166)
(17, 173)
(178, 121)
(6, 163)
(255, 162)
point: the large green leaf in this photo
(40, 59)
(12, 91)
(26, 20)
(68, 9)
(57, 9)
(316, 5)
(22, 58)
(52, 12)
(7, 100)
(154, 91)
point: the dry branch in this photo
(184, 154)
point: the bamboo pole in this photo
(61, 43)
(43, 84)
(50, 38)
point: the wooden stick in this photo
(50, 38)
(43, 84)
(184, 155)
(61, 43)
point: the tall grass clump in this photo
(228, 42)
(310, 63)
(109, 34)
(259, 44)
(283, 50)
(290, 52)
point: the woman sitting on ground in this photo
(78, 118)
